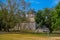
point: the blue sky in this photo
(41, 4)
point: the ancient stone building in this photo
(29, 25)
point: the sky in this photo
(41, 4)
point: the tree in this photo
(48, 20)
(39, 19)
(12, 12)
(44, 18)
(56, 17)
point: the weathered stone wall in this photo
(25, 26)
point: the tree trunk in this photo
(51, 30)
(0, 28)
(6, 29)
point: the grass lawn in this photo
(27, 37)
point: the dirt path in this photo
(55, 38)
(32, 38)
(38, 38)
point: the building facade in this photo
(29, 25)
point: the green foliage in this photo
(10, 14)
(13, 13)
(49, 17)
(56, 17)
(39, 18)
(44, 18)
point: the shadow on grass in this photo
(32, 33)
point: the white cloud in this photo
(36, 2)
(54, 2)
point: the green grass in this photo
(34, 34)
